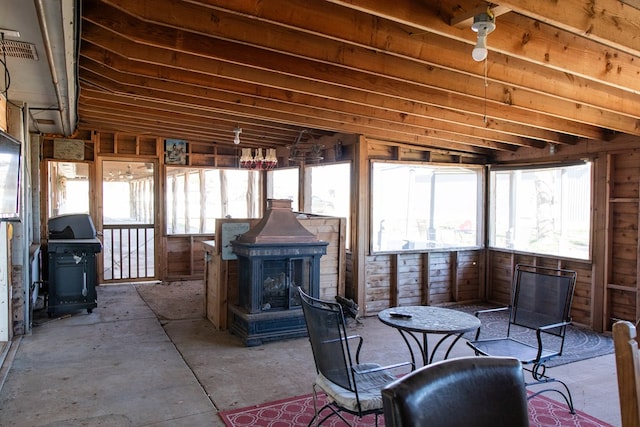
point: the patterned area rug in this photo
(579, 344)
(298, 411)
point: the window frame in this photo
(254, 205)
(491, 211)
(479, 214)
(309, 194)
(270, 185)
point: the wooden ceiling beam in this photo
(526, 39)
(464, 18)
(530, 89)
(390, 134)
(385, 130)
(231, 92)
(217, 124)
(396, 72)
(326, 81)
(610, 22)
(109, 124)
(595, 65)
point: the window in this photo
(417, 206)
(328, 191)
(10, 152)
(195, 197)
(283, 184)
(68, 185)
(545, 210)
(128, 195)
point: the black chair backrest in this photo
(468, 391)
(327, 334)
(542, 296)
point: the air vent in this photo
(14, 49)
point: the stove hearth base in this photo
(257, 328)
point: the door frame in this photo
(156, 216)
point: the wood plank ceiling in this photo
(557, 72)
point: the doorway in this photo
(128, 221)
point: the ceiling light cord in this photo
(486, 85)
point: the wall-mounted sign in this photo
(68, 149)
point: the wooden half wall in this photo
(427, 278)
(459, 277)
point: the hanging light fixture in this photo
(483, 24)
(250, 159)
(236, 138)
(305, 151)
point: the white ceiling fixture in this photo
(483, 24)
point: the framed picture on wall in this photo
(175, 151)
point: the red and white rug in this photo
(298, 411)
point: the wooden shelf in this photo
(622, 288)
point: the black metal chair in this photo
(539, 314)
(468, 391)
(349, 387)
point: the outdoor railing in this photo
(128, 251)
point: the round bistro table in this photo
(413, 320)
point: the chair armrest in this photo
(341, 339)
(488, 310)
(553, 325)
(351, 337)
(544, 328)
(382, 368)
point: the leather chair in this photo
(468, 391)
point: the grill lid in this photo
(71, 226)
(278, 225)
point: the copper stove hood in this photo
(279, 225)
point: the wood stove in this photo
(274, 258)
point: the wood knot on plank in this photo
(507, 97)
(590, 8)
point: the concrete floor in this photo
(124, 365)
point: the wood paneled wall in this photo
(623, 225)
(445, 278)
(183, 257)
(427, 278)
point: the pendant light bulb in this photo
(483, 24)
(480, 51)
(236, 137)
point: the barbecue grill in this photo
(72, 275)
